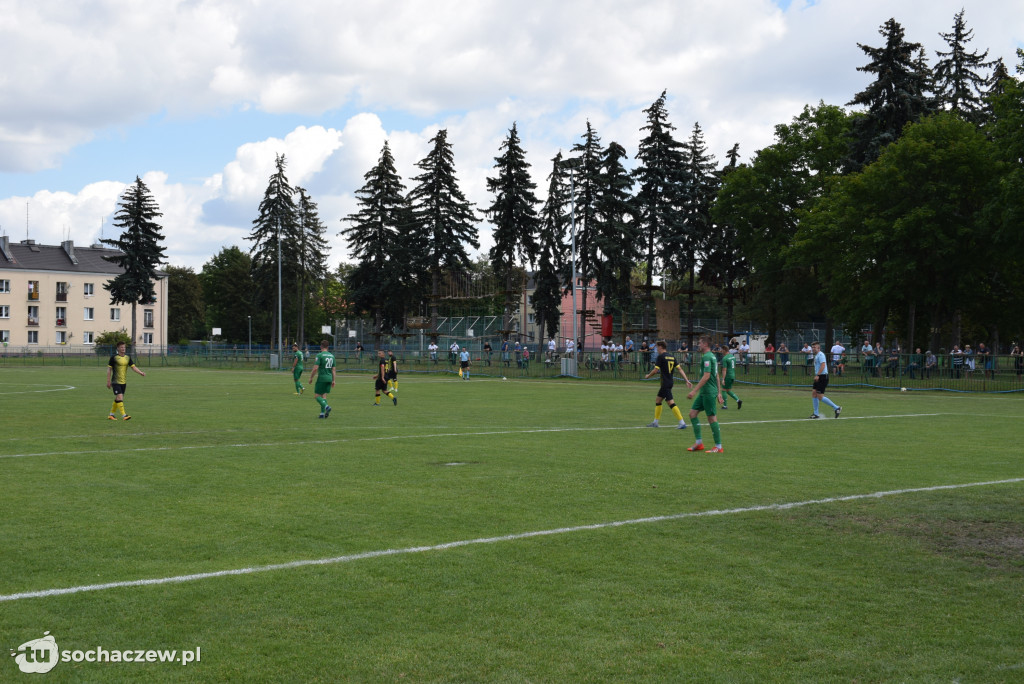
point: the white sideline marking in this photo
(62, 388)
(177, 579)
(248, 445)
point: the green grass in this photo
(222, 470)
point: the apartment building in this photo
(52, 297)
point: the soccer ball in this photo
(903, 389)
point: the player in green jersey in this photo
(708, 397)
(324, 375)
(297, 367)
(726, 378)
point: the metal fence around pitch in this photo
(997, 373)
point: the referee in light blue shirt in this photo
(820, 381)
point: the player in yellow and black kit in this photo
(392, 373)
(117, 379)
(666, 365)
(380, 379)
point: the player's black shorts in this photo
(665, 392)
(379, 384)
(118, 389)
(464, 364)
(821, 383)
(391, 375)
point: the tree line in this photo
(902, 214)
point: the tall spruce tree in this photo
(378, 238)
(895, 98)
(959, 87)
(312, 256)
(514, 216)
(660, 173)
(586, 179)
(725, 265)
(444, 221)
(276, 236)
(139, 247)
(616, 232)
(687, 249)
(554, 225)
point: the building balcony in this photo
(61, 323)
(33, 296)
(33, 321)
(62, 296)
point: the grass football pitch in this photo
(507, 531)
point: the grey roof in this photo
(34, 257)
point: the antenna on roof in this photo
(26, 220)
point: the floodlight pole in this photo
(250, 334)
(280, 318)
(572, 219)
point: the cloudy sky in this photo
(197, 96)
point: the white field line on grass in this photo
(484, 433)
(60, 388)
(177, 579)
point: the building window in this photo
(89, 312)
(87, 289)
(5, 312)
(5, 286)
(33, 290)
(62, 292)
(147, 338)
(115, 314)
(33, 315)
(62, 316)
(62, 337)
(5, 336)
(87, 338)
(147, 318)
(33, 337)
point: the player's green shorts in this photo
(727, 382)
(706, 402)
(322, 387)
(297, 373)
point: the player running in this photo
(726, 378)
(298, 365)
(324, 373)
(708, 396)
(380, 379)
(666, 365)
(392, 373)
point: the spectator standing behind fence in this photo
(956, 362)
(837, 352)
(453, 352)
(504, 352)
(359, 351)
(488, 351)
(916, 359)
(968, 359)
(1018, 360)
(644, 353)
(769, 356)
(526, 357)
(783, 354)
(808, 358)
(984, 357)
(931, 364)
(551, 349)
(627, 349)
(432, 348)
(517, 349)
(570, 348)
(867, 353)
